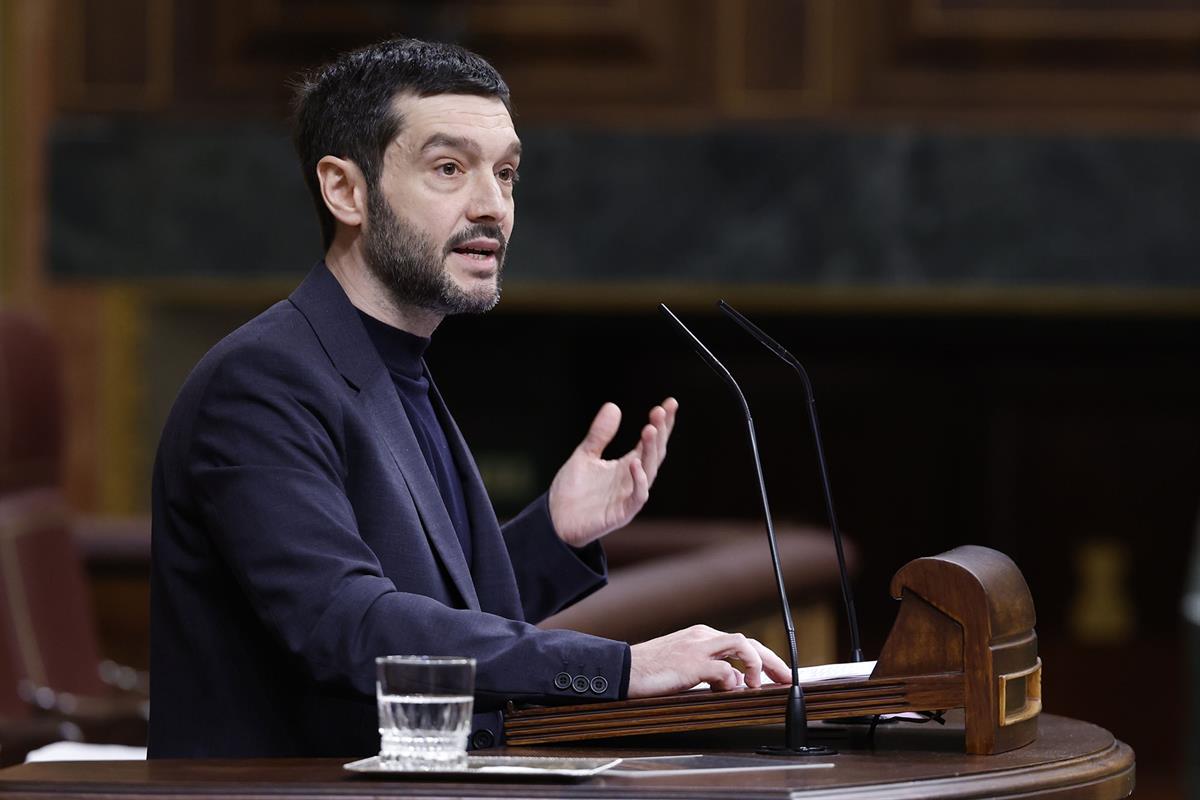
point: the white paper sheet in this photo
(824, 672)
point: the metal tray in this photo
(491, 767)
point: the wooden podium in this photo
(1072, 760)
(963, 638)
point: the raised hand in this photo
(682, 659)
(591, 496)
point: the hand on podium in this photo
(680, 660)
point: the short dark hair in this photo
(344, 109)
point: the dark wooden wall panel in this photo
(563, 59)
(1134, 62)
(115, 56)
(1127, 56)
(774, 59)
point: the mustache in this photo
(480, 230)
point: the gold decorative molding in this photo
(606, 296)
(1032, 301)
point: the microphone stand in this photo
(796, 713)
(775, 347)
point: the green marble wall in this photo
(135, 198)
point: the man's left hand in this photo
(591, 496)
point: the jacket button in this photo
(562, 681)
(599, 685)
(580, 684)
(482, 739)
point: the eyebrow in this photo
(462, 143)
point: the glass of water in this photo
(425, 705)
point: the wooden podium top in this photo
(1069, 759)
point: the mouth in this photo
(481, 257)
(478, 249)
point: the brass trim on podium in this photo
(1032, 692)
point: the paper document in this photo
(836, 672)
(80, 751)
(823, 672)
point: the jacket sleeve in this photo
(267, 472)
(551, 574)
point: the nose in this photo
(489, 202)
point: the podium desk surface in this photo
(1069, 759)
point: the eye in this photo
(449, 169)
(508, 175)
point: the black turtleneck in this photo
(402, 353)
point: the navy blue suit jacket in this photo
(299, 533)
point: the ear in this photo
(344, 189)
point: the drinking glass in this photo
(425, 705)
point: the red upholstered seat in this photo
(49, 652)
(31, 409)
(44, 595)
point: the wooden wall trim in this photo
(1104, 60)
(7, 160)
(635, 296)
(26, 80)
(1133, 19)
(124, 487)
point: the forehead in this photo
(483, 119)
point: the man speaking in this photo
(315, 506)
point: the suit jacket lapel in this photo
(335, 322)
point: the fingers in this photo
(753, 657)
(670, 406)
(603, 429)
(722, 675)
(648, 450)
(682, 659)
(654, 437)
(774, 666)
(758, 659)
(747, 651)
(641, 486)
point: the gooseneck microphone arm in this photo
(796, 716)
(775, 347)
(725, 375)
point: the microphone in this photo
(796, 714)
(775, 347)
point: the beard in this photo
(407, 262)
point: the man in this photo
(315, 505)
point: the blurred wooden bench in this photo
(669, 574)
